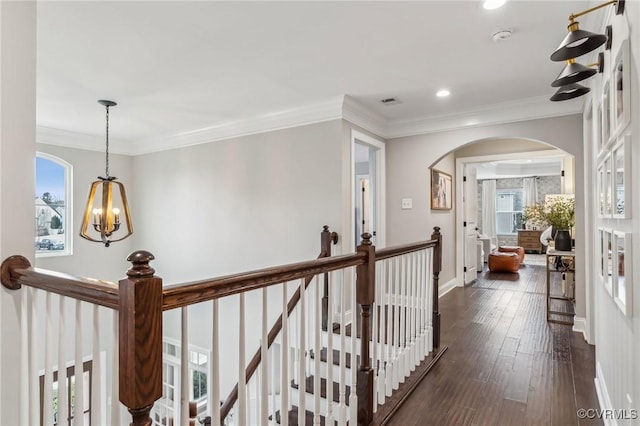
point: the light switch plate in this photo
(407, 203)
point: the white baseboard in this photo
(603, 396)
(580, 326)
(447, 287)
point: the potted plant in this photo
(560, 213)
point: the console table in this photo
(560, 264)
(529, 239)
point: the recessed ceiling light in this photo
(493, 4)
(443, 93)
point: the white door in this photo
(470, 203)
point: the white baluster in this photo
(25, 363)
(33, 377)
(184, 368)
(241, 414)
(96, 370)
(78, 370)
(284, 369)
(264, 350)
(302, 385)
(317, 347)
(214, 367)
(420, 304)
(47, 411)
(389, 340)
(330, 413)
(343, 348)
(353, 397)
(115, 373)
(397, 308)
(381, 378)
(374, 333)
(414, 311)
(430, 300)
(63, 411)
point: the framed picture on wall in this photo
(606, 112)
(621, 174)
(607, 256)
(622, 282)
(441, 190)
(621, 107)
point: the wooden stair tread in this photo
(309, 388)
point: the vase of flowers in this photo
(560, 214)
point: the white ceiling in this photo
(179, 68)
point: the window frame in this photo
(504, 191)
(68, 207)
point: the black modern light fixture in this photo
(574, 72)
(102, 212)
(570, 91)
(579, 42)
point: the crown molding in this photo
(343, 107)
(356, 113)
(317, 113)
(69, 139)
(502, 113)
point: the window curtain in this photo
(489, 208)
(529, 191)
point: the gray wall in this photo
(236, 205)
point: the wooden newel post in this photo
(437, 267)
(365, 294)
(140, 343)
(326, 239)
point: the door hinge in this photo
(464, 224)
(464, 178)
(465, 269)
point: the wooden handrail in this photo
(16, 271)
(394, 251)
(180, 295)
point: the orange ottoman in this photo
(504, 262)
(513, 249)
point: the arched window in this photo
(53, 223)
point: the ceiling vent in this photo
(390, 101)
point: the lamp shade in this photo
(573, 72)
(570, 91)
(577, 43)
(106, 206)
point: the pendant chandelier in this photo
(107, 204)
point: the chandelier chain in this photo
(107, 150)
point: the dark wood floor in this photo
(505, 364)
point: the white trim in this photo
(342, 107)
(68, 208)
(447, 287)
(603, 396)
(69, 139)
(580, 326)
(310, 114)
(356, 113)
(381, 179)
(506, 112)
